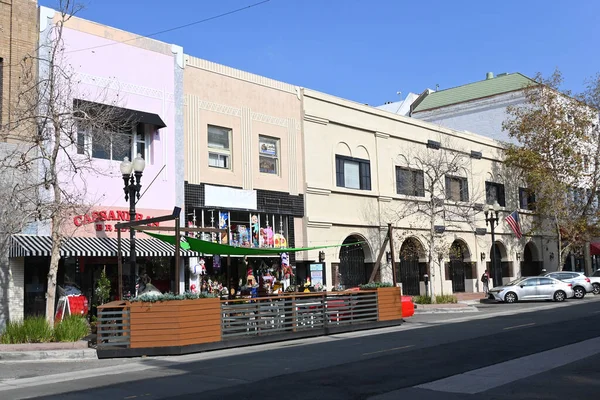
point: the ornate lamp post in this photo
(132, 193)
(491, 219)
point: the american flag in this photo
(515, 224)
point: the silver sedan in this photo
(533, 288)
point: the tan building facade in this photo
(367, 168)
(19, 38)
(244, 161)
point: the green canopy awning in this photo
(202, 246)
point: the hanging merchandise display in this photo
(223, 223)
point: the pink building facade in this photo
(142, 79)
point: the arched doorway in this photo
(408, 268)
(530, 266)
(352, 263)
(458, 267)
(495, 266)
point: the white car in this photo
(595, 279)
(581, 283)
(532, 288)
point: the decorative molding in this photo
(178, 51)
(246, 134)
(215, 107)
(114, 84)
(242, 75)
(292, 156)
(382, 135)
(315, 119)
(322, 225)
(318, 192)
(269, 119)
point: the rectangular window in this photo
(495, 192)
(113, 146)
(457, 188)
(526, 199)
(268, 155)
(219, 147)
(352, 173)
(410, 182)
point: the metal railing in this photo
(113, 328)
(296, 313)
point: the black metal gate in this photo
(352, 265)
(457, 269)
(496, 266)
(409, 276)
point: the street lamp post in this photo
(491, 219)
(132, 193)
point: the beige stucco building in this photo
(366, 168)
(244, 159)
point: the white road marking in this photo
(519, 326)
(487, 378)
(386, 350)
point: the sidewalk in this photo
(47, 351)
(466, 303)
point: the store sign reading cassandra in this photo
(107, 215)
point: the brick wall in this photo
(16, 288)
(18, 38)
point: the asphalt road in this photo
(452, 357)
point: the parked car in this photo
(581, 283)
(595, 279)
(532, 288)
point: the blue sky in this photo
(367, 50)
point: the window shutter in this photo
(501, 197)
(420, 182)
(365, 175)
(339, 171)
(448, 189)
(464, 194)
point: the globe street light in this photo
(132, 193)
(492, 219)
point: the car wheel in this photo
(559, 296)
(510, 297)
(579, 292)
(596, 288)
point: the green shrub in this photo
(30, 330)
(422, 299)
(71, 329)
(375, 285)
(153, 298)
(446, 299)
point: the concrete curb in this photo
(37, 355)
(447, 310)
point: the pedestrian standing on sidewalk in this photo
(485, 278)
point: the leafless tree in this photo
(436, 185)
(54, 123)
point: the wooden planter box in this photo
(389, 304)
(175, 323)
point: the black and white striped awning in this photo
(32, 245)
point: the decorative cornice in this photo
(269, 119)
(315, 119)
(114, 84)
(382, 135)
(219, 108)
(242, 75)
(317, 191)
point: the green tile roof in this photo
(475, 90)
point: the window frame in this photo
(417, 178)
(226, 154)
(364, 172)
(500, 193)
(529, 196)
(276, 157)
(464, 189)
(84, 142)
